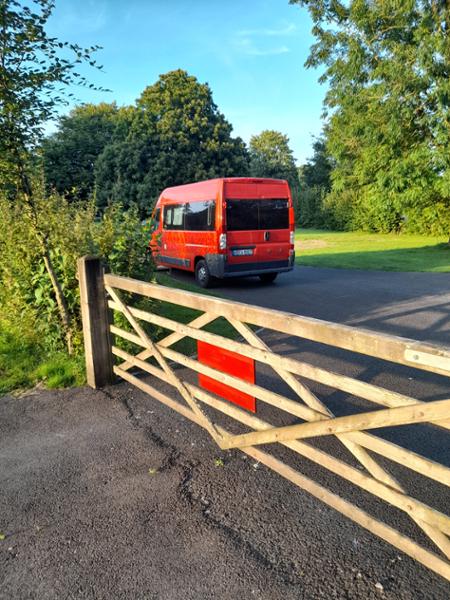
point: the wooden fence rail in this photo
(353, 431)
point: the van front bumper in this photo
(219, 267)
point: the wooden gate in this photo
(367, 467)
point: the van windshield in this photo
(244, 215)
(154, 223)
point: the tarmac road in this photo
(415, 305)
(108, 494)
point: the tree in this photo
(317, 170)
(35, 69)
(177, 135)
(315, 183)
(271, 156)
(388, 68)
(70, 154)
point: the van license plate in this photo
(242, 252)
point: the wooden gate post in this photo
(95, 317)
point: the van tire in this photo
(268, 277)
(202, 275)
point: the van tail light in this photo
(223, 241)
(291, 238)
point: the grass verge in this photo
(372, 251)
(24, 363)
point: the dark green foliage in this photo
(317, 170)
(69, 155)
(125, 172)
(315, 183)
(176, 135)
(271, 156)
(26, 288)
(310, 211)
(388, 68)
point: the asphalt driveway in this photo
(108, 494)
(415, 305)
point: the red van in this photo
(230, 227)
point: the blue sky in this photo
(250, 52)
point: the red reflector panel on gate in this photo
(232, 364)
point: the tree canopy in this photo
(317, 170)
(70, 154)
(176, 135)
(271, 156)
(314, 184)
(388, 68)
(35, 70)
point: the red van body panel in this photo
(176, 243)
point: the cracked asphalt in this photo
(109, 494)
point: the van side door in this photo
(172, 235)
(155, 233)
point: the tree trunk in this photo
(61, 301)
(60, 297)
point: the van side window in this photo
(174, 216)
(200, 216)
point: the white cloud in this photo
(247, 46)
(252, 41)
(283, 31)
(268, 52)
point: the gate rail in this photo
(352, 431)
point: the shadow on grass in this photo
(434, 258)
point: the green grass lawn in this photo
(372, 251)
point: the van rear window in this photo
(244, 215)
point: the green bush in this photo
(310, 210)
(31, 325)
(338, 210)
(429, 220)
(367, 210)
(122, 239)
(26, 287)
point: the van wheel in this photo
(202, 275)
(268, 277)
